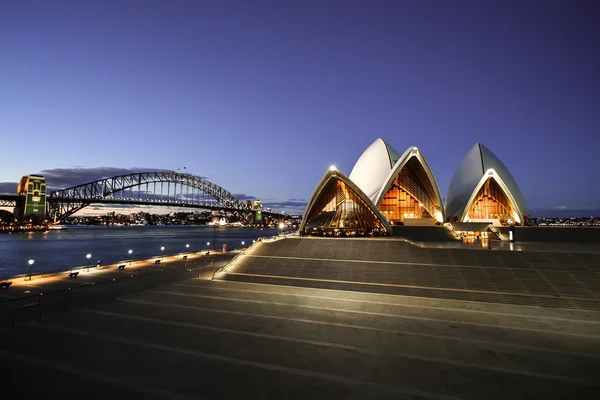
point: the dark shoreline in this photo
(18, 230)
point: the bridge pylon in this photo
(258, 209)
(33, 205)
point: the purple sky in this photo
(262, 96)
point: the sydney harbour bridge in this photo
(172, 189)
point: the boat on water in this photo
(56, 227)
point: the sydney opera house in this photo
(386, 188)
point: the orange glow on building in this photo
(491, 203)
(411, 195)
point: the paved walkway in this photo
(496, 245)
(28, 301)
(223, 340)
(46, 283)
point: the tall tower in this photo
(258, 208)
(33, 188)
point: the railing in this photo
(282, 235)
(497, 232)
(448, 226)
(47, 274)
(265, 239)
(225, 267)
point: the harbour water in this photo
(65, 249)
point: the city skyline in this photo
(261, 99)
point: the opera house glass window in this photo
(410, 196)
(491, 203)
(340, 211)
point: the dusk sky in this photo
(261, 97)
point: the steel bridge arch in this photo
(66, 202)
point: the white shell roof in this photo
(373, 167)
(468, 176)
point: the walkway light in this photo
(88, 256)
(214, 236)
(162, 248)
(30, 262)
(130, 251)
(243, 243)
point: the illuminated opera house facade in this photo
(386, 188)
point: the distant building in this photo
(33, 206)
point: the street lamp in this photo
(130, 251)
(243, 243)
(161, 252)
(207, 243)
(88, 256)
(30, 262)
(187, 247)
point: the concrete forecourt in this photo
(324, 318)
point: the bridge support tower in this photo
(258, 208)
(33, 206)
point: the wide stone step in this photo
(380, 368)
